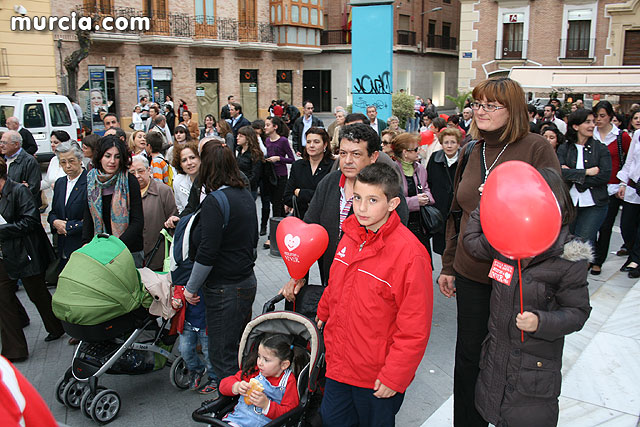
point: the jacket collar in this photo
(82, 179)
(352, 228)
(153, 188)
(440, 157)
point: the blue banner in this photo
(99, 104)
(372, 58)
(144, 82)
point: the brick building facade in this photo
(497, 35)
(200, 51)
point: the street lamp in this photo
(435, 9)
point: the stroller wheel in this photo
(59, 388)
(105, 406)
(179, 374)
(87, 400)
(72, 393)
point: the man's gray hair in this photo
(13, 119)
(392, 118)
(14, 136)
(142, 159)
(70, 146)
(159, 118)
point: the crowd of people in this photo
(368, 183)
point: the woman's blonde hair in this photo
(509, 93)
(132, 140)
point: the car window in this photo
(34, 116)
(6, 111)
(59, 114)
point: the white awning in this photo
(588, 80)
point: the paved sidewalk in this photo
(601, 367)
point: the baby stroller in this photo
(101, 301)
(306, 336)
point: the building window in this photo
(578, 39)
(512, 33)
(295, 14)
(578, 31)
(103, 6)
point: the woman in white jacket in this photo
(629, 177)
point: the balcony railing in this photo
(441, 42)
(4, 63)
(511, 49)
(406, 38)
(335, 37)
(189, 26)
(577, 47)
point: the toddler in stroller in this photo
(280, 356)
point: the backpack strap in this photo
(223, 201)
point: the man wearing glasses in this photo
(22, 167)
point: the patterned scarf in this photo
(97, 182)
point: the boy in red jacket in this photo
(376, 308)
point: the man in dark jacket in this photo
(333, 198)
(225, 113)
(237, 119)
(26, 253)
(28, 142)
(302, 125)
(23, 167)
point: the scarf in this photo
(407, 168)
(97, 182)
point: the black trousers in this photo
(604, 234)
(630, 225)
(14, 343)
(472, 300)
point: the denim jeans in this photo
(187, 346)
(604, 234)
(588, 222)
(228, 312)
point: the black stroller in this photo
(306, 336)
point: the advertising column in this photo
(144, 82)
(372, 55)
(98, 96)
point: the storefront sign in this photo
(144, 81)
(98, 96)
(199, 91)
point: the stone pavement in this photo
(601, 364)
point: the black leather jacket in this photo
(595, 154)
(26, 250)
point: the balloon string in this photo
(521, 303)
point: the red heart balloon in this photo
(300, 244)
(519, 214)
(444, 116)
(426, 137)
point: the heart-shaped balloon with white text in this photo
(300, 244)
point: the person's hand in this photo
(299, 154)
(273, 159)
(296, 192)
(447, 285)
(25, 183)
(176, 303)
(60, 226)
(191, 298)
(382, 391)
(171, 221)
(423, 199)
(319, 323)
(621, 191)
(287, 209)
(259, 399)
(481, 188)
(527, 321)
(593, 171)
(565, 167)
(241, 387)
(291, 289)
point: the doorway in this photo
(316, 87)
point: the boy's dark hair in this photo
(155, 141)
(360, 132)
(354, 117)
(62, 136)
(560, 191)
(91, 140)
(382, 175)
(105, 143)
(284, 349)
(453, 119)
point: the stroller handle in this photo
(271, 304)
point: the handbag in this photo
(270, 175)
(430, 217)
(296, 209)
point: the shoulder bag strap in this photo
(621, 155)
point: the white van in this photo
(40, 113)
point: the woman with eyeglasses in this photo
(501, 127)
(414, 186)
(387, 137)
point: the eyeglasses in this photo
(489, 108)
(413, 150)
(180, 131)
